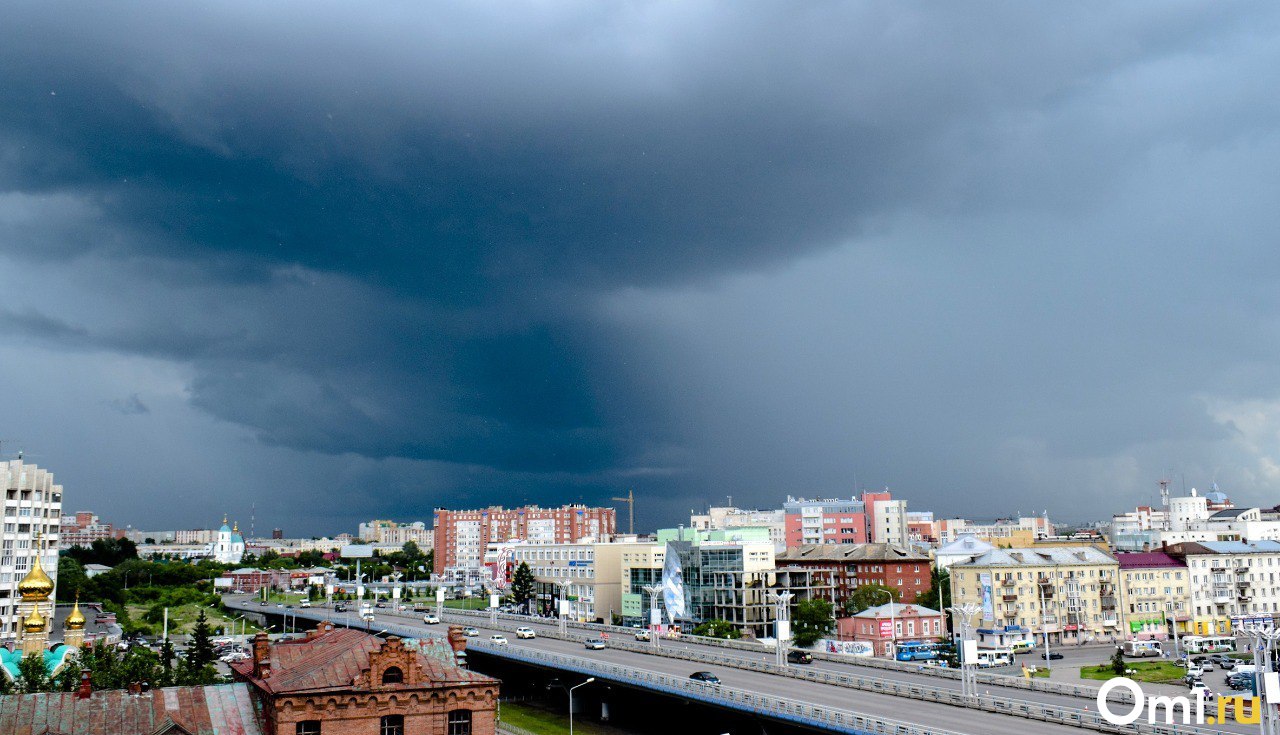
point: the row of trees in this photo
(110, 668)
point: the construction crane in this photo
(630, 500)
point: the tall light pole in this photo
(655, 612)
(968, 679)
(1173, 623)
(588, 681)
(1263, 638)
(893, 625)
(561, 587)
(781, 622)
(1044, 627)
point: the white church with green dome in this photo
(228, 547)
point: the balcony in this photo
(1009, 598)
(1244, 598)
(1007, 583)
(1222, 597)
(1242, 570)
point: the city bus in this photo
(1209, 644)
(1143, 649)
(916, 651)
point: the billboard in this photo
(357, 551)
(988, 607)
(886, 628)
(673, 585)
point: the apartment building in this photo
(826, 521)
(32, 525)
(399, 534)
(83, 528)
(1154, 588)
(1021, 532)
(1070, 593)
(728, 517)
(463, 536)
(852, 565)
(1231, 582)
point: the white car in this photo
(1200, 688)
(471, 631)
(233, 656)
(431, 619)
(523, 632)
(498, 638)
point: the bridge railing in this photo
(1083, 691)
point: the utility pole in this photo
(630, 500)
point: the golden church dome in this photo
(34, 623)
(36, 586)
(75, 621)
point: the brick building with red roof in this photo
(337, 681)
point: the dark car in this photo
(380, 604)
(339, 608)
(706, 677)
(800, 657)
(264, 603)
(1052, 656)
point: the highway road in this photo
(875, 704)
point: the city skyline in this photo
(350, 265)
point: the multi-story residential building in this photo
(828, 521)
(1231, 582)
(194, 536)
(852, 565)
(1008, 533)
(888, 519)
(83, 528)
(391, 532)
(1067, 592)
(463, 536)
(725, 518)
(921, 528)
(32, 524)
(965, 548)
(1154, 588)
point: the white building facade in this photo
(32, 522)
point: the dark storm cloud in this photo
(403, 232)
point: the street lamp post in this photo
(1173, 623)
(562, 587)
(968, 678)
(1044, 628)
(588, 681)
(781, 622)
(893, 624)
(1263, 638)
(655, 613)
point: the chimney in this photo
(86, 685)
(261, 656)
(135, 688)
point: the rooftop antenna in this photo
(253, 513)
(1164, 493)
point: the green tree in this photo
(71, 578)
(32, 676)
(812, 620)
(197, 668)
(522, 585)
(867, 596)
(938, 593)
(167, 675)
(1117, 662)
(717, 629)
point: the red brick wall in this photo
(425, 711)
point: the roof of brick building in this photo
(334, 658)
(224, 709)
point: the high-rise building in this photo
(32, 527)
(876, 516)
(391, 532)
(463, 536)
(83, 528)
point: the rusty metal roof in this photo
(223, 709)
(332, 659)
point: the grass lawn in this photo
(1040, 673)
(470, 603)
(544, 722)
(1152, 672)
(182, 619)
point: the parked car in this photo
(498, 638)
(233, 656)
(706, 677)
(1223, 662)
(470, 631)
(800, 657)
(643, 635)
(431, 619)
(1051, 656)
(595, 644)
(523, 632)
(1203, 662)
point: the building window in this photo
(460, 722)
(307, 727)
(393, 675)
(392, 725)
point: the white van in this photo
(988, 659)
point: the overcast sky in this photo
(351, 261)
